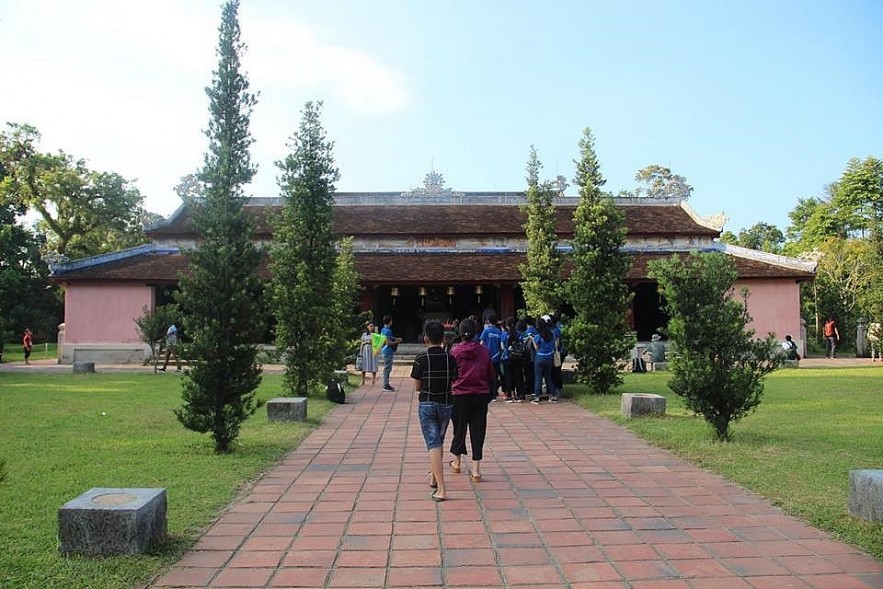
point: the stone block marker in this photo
(866, 494)
(84, 367)
(104, 522)
(287, 409)
(659, 366)
(640, 404)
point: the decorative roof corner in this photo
(716, 221)
(805, 265)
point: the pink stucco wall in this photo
(774, 306)
(104, 313)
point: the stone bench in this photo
(659, 366)
(287, 409)
(84, 367)
(866, 494)
(640, 404)
(104, 522)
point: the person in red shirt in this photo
(27, 344)
(832, 336)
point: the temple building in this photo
(426, 253)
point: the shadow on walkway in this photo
(568, 500)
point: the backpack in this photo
(638, 365)
(517, 349)
(335, 392)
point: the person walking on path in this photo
(491, 339)
(433, 372)
(27, 344)
(388, 351)
(832, 336)
(367, 358)
(875, 332)
(470, 390)
(171, 348)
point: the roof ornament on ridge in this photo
(433, 185)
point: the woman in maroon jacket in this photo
(475, 372)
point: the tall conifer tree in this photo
(220, 297)
(541, 274)
(597, 333)
(303, 257)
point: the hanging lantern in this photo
(422, 291)
(478, 292)
(394, 292)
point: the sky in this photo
(755, 103)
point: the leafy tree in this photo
(27, 298)
(302, 258)
(760, 236)
(541, 273)
(596, 290)
(718, 367)
(655, 181)
(346, 322)
(220, 297)
(859, 193)
(152, 327)
(84, 212)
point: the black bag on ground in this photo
(335, 392)
(638, 365)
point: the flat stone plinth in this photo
(640, 404)
(103, 522)
(287, 409)
(84, 367)
(659, 366)
(866, 494)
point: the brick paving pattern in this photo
(567, 500)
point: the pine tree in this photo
(220, 297)
(597, 334)
(303, 257)
(541, 274)
(347, 322)
(719, 366)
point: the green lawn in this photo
(812, 427)
(61, 435)
(12, 352)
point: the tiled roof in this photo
(649, 219)
(413, 268)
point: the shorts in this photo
(434, 420)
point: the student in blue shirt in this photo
(388, 351)
(491, 338)
(544, 348)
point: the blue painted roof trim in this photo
(99, 260)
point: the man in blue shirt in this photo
(388, 350)
(491, 339)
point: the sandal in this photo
(455, 468)
(435, 497)
(433, 484)
(475, 477)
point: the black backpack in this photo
(517, 349)
(335, 392)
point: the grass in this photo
(12, 352)
(63, 434)
(812, 427)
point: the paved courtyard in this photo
(567, 500)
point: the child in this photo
(27, 344)
(433, 372)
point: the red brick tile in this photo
(205, 558)
(754, 567)
(586, 572)
(251, 577)
(413, 558)
(357, 577)
(186, 577)
(256, 559)
(300, 577)
(415, 577)
(473, 577)
(646, 569)
(530, 574)
(362, 558)
(470, 557)
(660, 584)
(627, 552)
(309, 558)
(722, 583)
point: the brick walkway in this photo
(568, 500)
